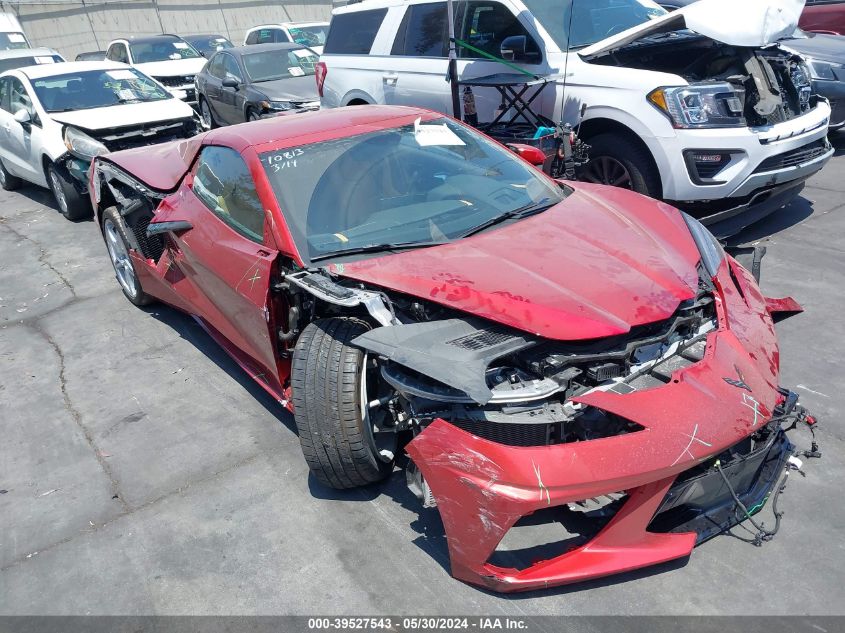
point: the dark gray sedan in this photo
(246, 83)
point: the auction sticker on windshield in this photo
(121, 75)
(427, 135)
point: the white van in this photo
(11, 33)
(695, 107)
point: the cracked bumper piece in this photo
(482, 488)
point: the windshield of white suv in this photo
(161, 50)
(279, 64)
(592, 20)
(405, 187)
(11, 41)
(96, 89)
(309, 35)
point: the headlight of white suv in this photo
(712, 253)
(717, 104)
(81, 145)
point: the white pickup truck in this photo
(699, 107)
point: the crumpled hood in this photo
(126, 114)
(597, 264)
(750, 23)
(173, 67)
(290, 89)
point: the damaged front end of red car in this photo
(639, 445)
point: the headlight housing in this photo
(712, 253)
(81, 145)
(277, 105)
(709, 105)
(824, 71)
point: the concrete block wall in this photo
(73, 27)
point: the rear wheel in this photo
(72, 204)
(117, 244)
(333, 386)
(619, 162)
(7, 180)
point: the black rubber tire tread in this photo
(214, 124)
(10, 182)
(78, 206)
(325, 383)
(637, 160)
(142, 298)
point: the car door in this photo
(231, 98)
(211, 85)
(21, 139)
(226, 256)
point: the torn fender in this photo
(783, 308)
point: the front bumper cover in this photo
(483, 488)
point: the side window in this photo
(354, 33)
(423, 31)
(19, 99)
(267, 36)
(4, 94)
(280, 36)
(223, 183)
(117, 52)
(230, 68)
(215, 67)
(252, 38)
(487, 24)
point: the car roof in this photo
(285, 25)
(283, 128)
(257, 48)
(27, 52)
(149, 38)
(198, 36)
(65, 68)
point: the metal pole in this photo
(452, 76)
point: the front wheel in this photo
(117, 244)
(72, 204)
(339, 406)
(252, 115)
(620, 162)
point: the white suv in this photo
(694, 107)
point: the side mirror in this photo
(178, 226)
(23, 117)
(231, 82)
(532, 154)
(513, 48)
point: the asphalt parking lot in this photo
(142, 472)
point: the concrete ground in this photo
(141, 472)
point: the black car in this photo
(208, 44)
(251, 82)
(825, 55)
(91, 56)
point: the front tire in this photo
(7, 180)
(252, 115)
(620, 162)
(73, 205)
(207, 115)
(118, 245)
(332, 383)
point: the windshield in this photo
(20, 62)
(592, 20)
(10, 41)
(96, 89)
(210, 45)
(161, 50)
(309, 35)
(417, 184)
(279, 64)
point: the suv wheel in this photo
(617, 161)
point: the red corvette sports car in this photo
(401, 282)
